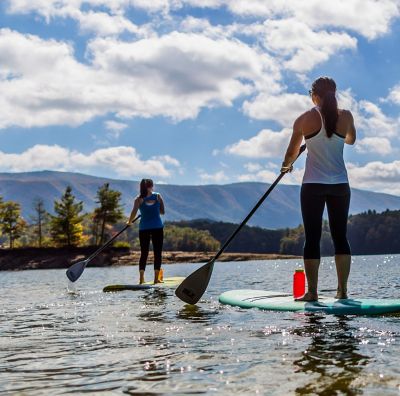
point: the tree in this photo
(12, 224)
(189, 240)
(40, 219)
(66, 226)
(109, 211)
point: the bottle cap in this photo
(299, 270)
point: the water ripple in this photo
(58, 340)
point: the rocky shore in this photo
(56, 258)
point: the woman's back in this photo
(324, 163)
(150, 213)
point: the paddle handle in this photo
(258, 204)
(109, 242)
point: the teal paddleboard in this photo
(276, 301)
(167, 282)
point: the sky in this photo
(193, 91)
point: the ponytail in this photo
(325, 88)
(144, 185)
(329, 110)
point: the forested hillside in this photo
(369, 233)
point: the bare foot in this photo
(308, 297)
(341, 295)
(158, 281)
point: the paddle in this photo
(194, 286)
(76, 270)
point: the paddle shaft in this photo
(258, 204)
(108, 243)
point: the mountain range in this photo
(228, 202)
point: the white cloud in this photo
(115, 128)
(104, 24)
(264, 175)
(282, 37)
(100, 23)
(394, 94)
(370, 145)
(217, 177)
(167, 159)
(269, 173)
(284, 108)
(369, 18)
(266, 144)
(253, 167)
(369, 117)
(375, 122)
(376, 176)
(174, 76)
(121, 161)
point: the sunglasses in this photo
(310, 92)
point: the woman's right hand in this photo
(286, 168)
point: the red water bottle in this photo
(299, 283)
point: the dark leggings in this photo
(157, 238)
(313, 199)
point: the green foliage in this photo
(249, 240)
(189, 240)
(178, 238)
(293, 241)
(108, 212)
(375, 233)
(121, 244)
(66, 226)
(12, 224)
(368, 233)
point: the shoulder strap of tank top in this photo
(320, 114)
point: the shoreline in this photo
(62, 258)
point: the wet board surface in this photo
(168, 282)
(276, 301)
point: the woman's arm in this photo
(134, 210)
(351, 134)
(162, 207)
(294, 146)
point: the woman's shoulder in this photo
(308, 115)
(309, 120)
(345, 113)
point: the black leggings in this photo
(157, 238)
(313, 199)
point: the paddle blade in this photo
(194, 286)
(75, 271)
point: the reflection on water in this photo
(196, 314)
(332, 355)
(56, 340)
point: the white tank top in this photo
(325, 163)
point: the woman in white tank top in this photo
(325, 129)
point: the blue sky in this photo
(190, 91)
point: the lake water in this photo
(149, 343)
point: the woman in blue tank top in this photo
(151, 227)
(325, 129)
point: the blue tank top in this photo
(150, 213)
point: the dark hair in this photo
(144, 185)
(325, 88)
